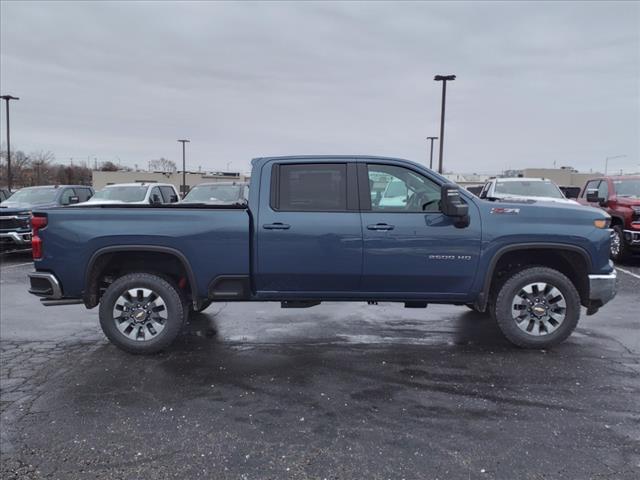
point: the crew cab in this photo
(15, 211)
(311, 232)
(136, 193)
(619, 196)
(520, 188)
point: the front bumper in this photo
(632, 237)
(19, 239)
(602, 288)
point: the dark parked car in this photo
(311, 233)
(15, 212)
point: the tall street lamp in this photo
(431, 156)
(606, 161)
(6, 98)
(444, 79)
(184, 181)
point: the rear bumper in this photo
(45, 285)
(602, 288)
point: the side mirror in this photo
(592, 196)
(155, 199)
(452, 205)
(73, 199)
(173, 199)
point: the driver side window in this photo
(398, 189)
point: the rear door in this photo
(308, 228)
(410, 248)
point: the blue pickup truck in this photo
(326, 228)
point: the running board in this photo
(63, 301)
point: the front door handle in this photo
(276, 226)
(380, 226)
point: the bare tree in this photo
(108, 167)
(162, 165)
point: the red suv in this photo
(620, 197)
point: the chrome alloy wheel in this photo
(615, 243)
(539, 309)
(140, 314)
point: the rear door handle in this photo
(276, 226)
(380, 226)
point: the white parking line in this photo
(15, 266)
(628, 272)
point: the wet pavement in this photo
(338, 391)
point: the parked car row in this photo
(16, 208)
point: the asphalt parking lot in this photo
(339, 391)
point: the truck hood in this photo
(516, 198)
(626, 201)
(552, 212)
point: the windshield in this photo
(124, 194)
(35, 195)
(526, 188)
(214, 193)
(628, 188)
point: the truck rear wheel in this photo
(142, 313)
(537, 307)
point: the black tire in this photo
(512, 290)
(619, 249)
(172, 307)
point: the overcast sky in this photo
(537, 83)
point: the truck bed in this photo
(74, 235)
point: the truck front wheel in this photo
(537, 307)
(618, 246)
(142, 313)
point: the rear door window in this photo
(311, 187)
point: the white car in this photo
(519, 188)
(135, 193)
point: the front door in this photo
(410, 248)
(308, 230)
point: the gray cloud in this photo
(537, 82)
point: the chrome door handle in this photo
(276, 226)
(380, 226)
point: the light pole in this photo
(184, 181)
(606, 161)
(444, 79)
(431, 156)
(6, 98)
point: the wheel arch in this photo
(91, 295)
(490, 280)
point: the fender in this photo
(483, 297)
(145, 248)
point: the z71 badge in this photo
(505, 211)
